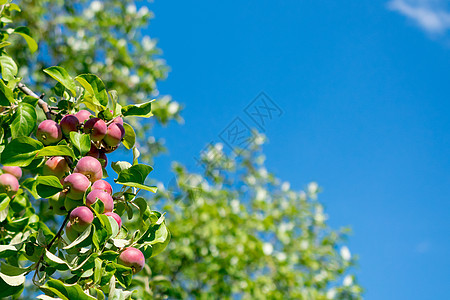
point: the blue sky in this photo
(364, 87)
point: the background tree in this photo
(237, 230)
(240, 231)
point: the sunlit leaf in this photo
(130, 136)
(9, 67)
(95, 87)
(81, 141)
(25, 33)
(20, 152)
(60, 150)
(24, 120)
(61, 75)
(139, 110)
(47, 186)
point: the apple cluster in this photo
(83, 186)
(81, 216)
(105, 136)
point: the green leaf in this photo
(60, 150)
(97, 270)
(157, 233)
(61, 75)
(144, 210)
(135, 176)
(99, 293)
(120, 243)
(70, 291)
(96, 238)
(119, 166)
(116, 107)
(59, 90)
(123, 274)
(30, 185)
(152, 189)
(81, 141)
(159, 247)
(120, 295)
(45, 297)
(12, 270)
(18, 203)
(20, 152)
(99, 208)
(105, 115)
(9, 285)
(130, 136)
(13, 6)
(6, 94)
(80, 239)
(4, 201)
(30, 100)
(47, 186)
(136, 155)
(109, 255)
(4, 44)
(53, 292)
(13, 280)
(9, 68)
(112, 286)
(87, 273)
(19, 224)
(24, 120)
(88, 261)
(114, 226)
(25, 33)
(95, 88)
(157, 236)
(106, 224)
(139, 110)
(129, 212)
(7, 250)
(55, 261)
(3, 214)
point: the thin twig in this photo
(56, 237)
(42, 104)
(58, 234)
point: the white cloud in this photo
(431, 15)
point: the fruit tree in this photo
(54, 153)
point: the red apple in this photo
(133, 258)
(49, 132)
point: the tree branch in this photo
(42, 104)
(58, 234)
(56, 237)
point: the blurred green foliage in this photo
(237, 231)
